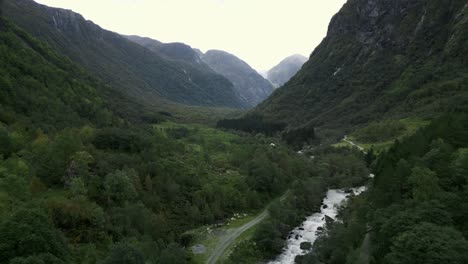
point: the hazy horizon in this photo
(260, 32)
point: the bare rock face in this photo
(306, 246)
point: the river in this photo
(307, 231)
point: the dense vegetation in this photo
(88, 176)
(330, 168)
(415, 211)
(380, 131)
(296, 137)
(380, 59)
(252, 124)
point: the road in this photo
(345, 139)
(231, 236)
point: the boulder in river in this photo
(329, 220)
(301, 228)
(325, 206)
(296, 237)
(306, 245)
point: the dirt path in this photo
(345, 139)
(231, 236)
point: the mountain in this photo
(172, 51)
(248, 84)
(380, 59)
(126, 66)
(45, 90)
(287, 68)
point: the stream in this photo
(307, 231)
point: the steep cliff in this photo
(380, 59)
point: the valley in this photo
(122, 149)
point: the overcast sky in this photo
(261, 32)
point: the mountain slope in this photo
(248, 84)
(125, 65)
(173, 51)
(287, 68)
(380, 59)
(40, 88)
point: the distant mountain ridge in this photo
(248, 83)
(285, 70)
(173, 51)
(123, 64)
(249, 86)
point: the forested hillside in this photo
(380, 59)
(416, 208)
(126, 66)
(88, 176)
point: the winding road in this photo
(231, 236)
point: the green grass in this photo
(411, 126)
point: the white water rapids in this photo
(306, 232)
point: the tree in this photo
(173, 254)
(119, 187)
(78, 188)
(27, 233)
(425, 184)
(429, 244)
(36, 186)
(6, 146)
(124, 254)
(45, 258)
(460, 166)
(263, 174)
(268, 238)
(79, 166)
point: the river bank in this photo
(308, 231)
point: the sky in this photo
(260, 32)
